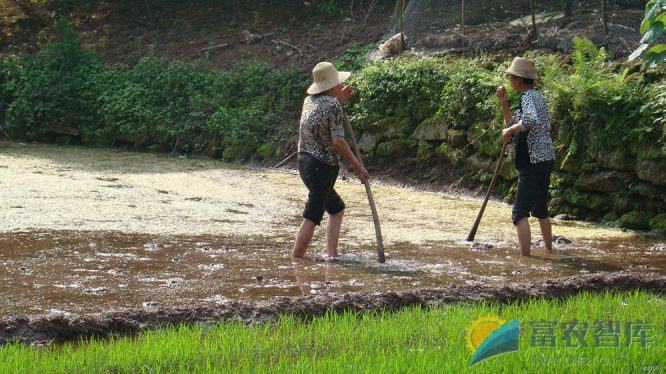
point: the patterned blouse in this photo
(533, 117)
(322, 119)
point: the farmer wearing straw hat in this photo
(321, 140)
(535, 155)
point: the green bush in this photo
(404, 90)
(155, 104)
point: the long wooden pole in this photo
(371, 200)
(472, 233)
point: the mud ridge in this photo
(65, 327)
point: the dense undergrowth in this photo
(422, 114)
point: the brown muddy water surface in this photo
(91, 230)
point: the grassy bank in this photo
(415, 339)
(434, 118)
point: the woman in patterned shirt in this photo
(535, 155)
(321, 139)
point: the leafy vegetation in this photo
(64, 90)
(422, 114)
(652, 28)
(430, 339)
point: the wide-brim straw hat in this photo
(523, 67)
(326, 76)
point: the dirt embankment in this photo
(59, 327)
(211, 34)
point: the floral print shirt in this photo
(321, 120)
(533, 117)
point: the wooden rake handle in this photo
(472, 233)
(371, 200)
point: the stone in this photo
(456, 138)
(645, 190)
(616, 159)
(658, 222)
(604, 181)
(431, 129)
(425, 152)
(450, 155)
(508, 170)
(589, 167)
(479, 162)
(367, 142)
(653, 171)
(621, 202)
(609, 217)
(636, 220)
(587, 200)
(562, 179)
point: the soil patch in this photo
(63, 327)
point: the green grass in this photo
(412, 340)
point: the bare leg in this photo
(333, 233)
(524, 236)
(303, 238)
(547, 233)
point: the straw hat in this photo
(326, 76)
(523, 67)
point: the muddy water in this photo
(86, 230)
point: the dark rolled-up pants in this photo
(319, 177)
(532, 196)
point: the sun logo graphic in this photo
(490, 336)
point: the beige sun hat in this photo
(326, 76)
(523, 67)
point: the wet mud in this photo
(161, 239)
(58, 327)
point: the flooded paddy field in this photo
(90, 230)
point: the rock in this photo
(393, 46)
(653, 171)
(562, 179)
(259, 278)
(564, 217)
(479, 162)
(557, 239)
(456, 138)
(589, 167)
(621, 202)
(555, 202)
(587, 200)
(431, 129)
(450, 155)
(645, 190)
(609, 217)
(481, 247)
(604, 181)
(367, 142)
(658, 222)
(636, 220)
(508, 170)
(617, 160)
(425, 152)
